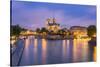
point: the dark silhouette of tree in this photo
(38, 30)
(91, 30)
(16, 29)
(43, 29)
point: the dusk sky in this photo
(34, 14)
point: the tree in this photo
(16, 29)
(38, 30)
(91, 30)
(43, 29)
(61, 31)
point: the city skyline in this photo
(52, 33)
(34, 14)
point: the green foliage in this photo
(91, 30)
(15, 30)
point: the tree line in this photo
(16, 29)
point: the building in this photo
(28, 32)
(78, 31)
(51, 25)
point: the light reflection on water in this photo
(42, 51)
(12, 42)
(64, 50)
(94, 54)
(26, 49)
(35, 50)
(80, 50)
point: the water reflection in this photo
(64, 50)
(12, 42)
(27, 42)
(67, 51)
(80, 50)
(92, 50)
(94, 54)
(35, 43)
(54, 51)
(85, 50)
(35, 51)
(42, 51)
(74, 50)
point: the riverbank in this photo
(17, 53)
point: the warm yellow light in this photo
(35, 43)
(44, 44)
(94, 54)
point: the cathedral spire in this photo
(48, 20)
(54, 20)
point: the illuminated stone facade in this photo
(78, 31)
(51, 25)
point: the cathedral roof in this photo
(50, 24)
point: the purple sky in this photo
(34, 14)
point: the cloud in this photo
(32, 16)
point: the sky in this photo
(34, 14)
